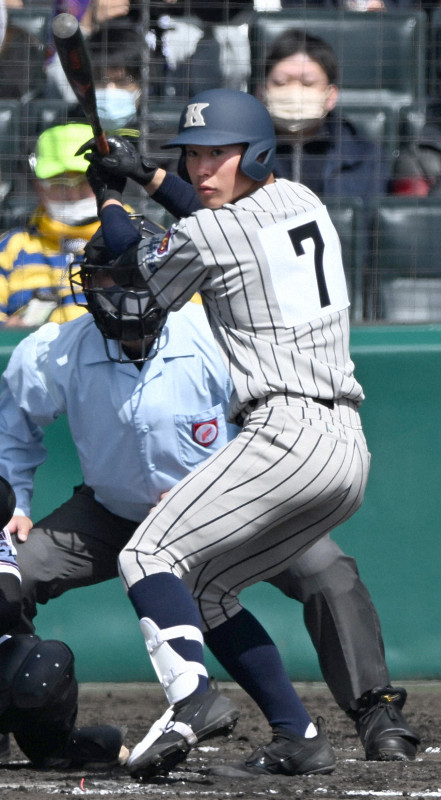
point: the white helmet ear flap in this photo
(178, 677)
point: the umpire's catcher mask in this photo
(127, 315)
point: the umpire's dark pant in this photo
(341, 620)
(76, 545)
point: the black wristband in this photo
(109, 194)
(149, 169)
(113, 194)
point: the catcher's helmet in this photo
(124, 314)
(227, 116)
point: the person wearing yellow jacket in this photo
(34, 259)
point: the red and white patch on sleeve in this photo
(205, 433)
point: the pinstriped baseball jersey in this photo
(270, 273)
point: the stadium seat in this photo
(434, 53)
(380, 124)
(382, 57)
(162, 122)
(411, 121)
(42, 113)
(34, 24)
(347, 215)
(405, 279)
(9, 143)
(17, 209)
(32, 19)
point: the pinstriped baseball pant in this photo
(295, 472)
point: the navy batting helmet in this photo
(227, 116)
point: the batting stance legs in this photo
(293, 474)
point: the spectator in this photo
(115, 51)
(205, 45)
(33, 259)
(315, 146)
(192, 43)
(91, 14)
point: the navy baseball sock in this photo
(250, 656)
(166, 600)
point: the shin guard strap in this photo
(179, 677)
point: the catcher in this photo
(38, 688)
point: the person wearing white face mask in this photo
(116, 104)
(315, 146)
(115, 51)
(34, 259)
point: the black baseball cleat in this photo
(383, 729)
(183, 725)
(286, 754)
(94, 747)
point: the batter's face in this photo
(215, 175)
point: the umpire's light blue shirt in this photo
(137, 433)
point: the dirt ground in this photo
(136, 706)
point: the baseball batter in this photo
(267, 261)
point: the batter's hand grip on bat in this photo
(75, 61)
(123, 160)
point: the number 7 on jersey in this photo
(305, 264)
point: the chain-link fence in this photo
(371, 149)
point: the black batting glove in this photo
(105, 186)
(124, 160)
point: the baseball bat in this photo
(74, 58)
